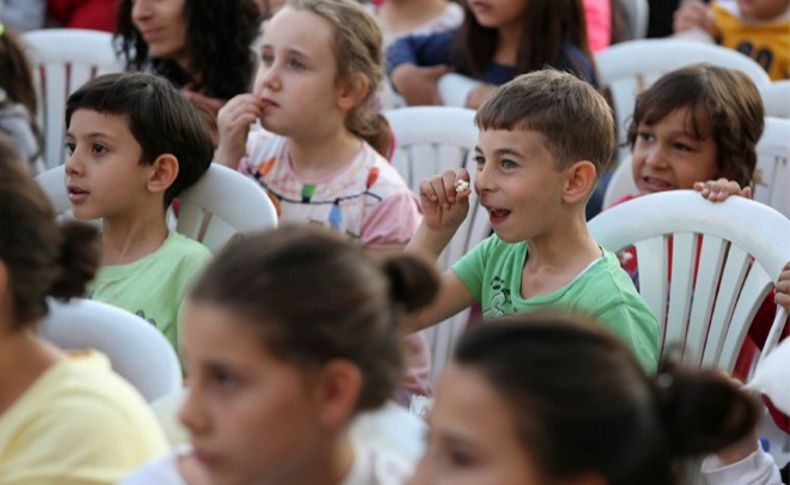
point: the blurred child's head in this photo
(204, 43)
(38, 257)
(557, 399)
(546, 25)
(287, 335)
(762, 9)
(17, 78)
(322, 57)
(694, 124)
(544, 139)
(131, 135)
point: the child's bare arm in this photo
(719, 190)
(783, 288)
(453, 296)
(418, 84)
(445, 203)
(234, 120)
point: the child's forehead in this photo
(523, 139)
(94, 121)
(688, 120)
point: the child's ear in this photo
(336, 391)
(164, 172)
(351, 91)
(580, 181)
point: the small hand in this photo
(234, 120)
(693, 15)
(719, 190)
(445, 199)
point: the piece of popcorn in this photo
(461, 186)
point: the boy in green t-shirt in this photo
(544, 139)
(134, 144)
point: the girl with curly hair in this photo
(201, 46)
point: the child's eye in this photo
(480, 161)
(267, 59)
(508, 164)
(70, 146)
(224, 379)
(644, 136)
(460, 458)
(682, 147)
(98, 149)
(297, 64)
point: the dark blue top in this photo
(434, 49)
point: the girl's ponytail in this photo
(372, 127)
(701, 411)
(78, 261)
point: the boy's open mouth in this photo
(77, 194)
(498, 215)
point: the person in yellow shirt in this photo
(759, 29)
(65, 418)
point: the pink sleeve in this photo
(599, 23)
(392, 222)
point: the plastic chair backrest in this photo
(628, 68)
(771, 181)
(717, 282)
(776, 98)
(62, 61)
(136, 349)
(220, 206)
(430, 140)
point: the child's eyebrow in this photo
(508, 151)
(290, 50)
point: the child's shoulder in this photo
(376, 173)
(179, 247)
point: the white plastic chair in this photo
(744, 248)
(223, 204)
(776, 98)
(429, 140)
(63, 60)
(628, 68)
(454, 89)
(136, 349)
(773, 167)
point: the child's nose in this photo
(483, 180)
(191, 414)
(73, 166)
(141, 9)
(656, 158)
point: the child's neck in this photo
(328, 462)
(508, 43)
(127, 239)
(23, 359)
(398, 17)
(557, 257)
(315, 157)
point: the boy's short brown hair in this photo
(576, 121)
(723, 104)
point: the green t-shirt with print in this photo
(155, 286)
(492, 272)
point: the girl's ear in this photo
(336, 391)
(351, 91)
(164, 172)
(580, 181)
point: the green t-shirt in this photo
(154, 286)
(492, 272)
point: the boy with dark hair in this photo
(135, 143)
(545, 138)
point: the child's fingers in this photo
(427, 192)
(438, 185)
(746, 192)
